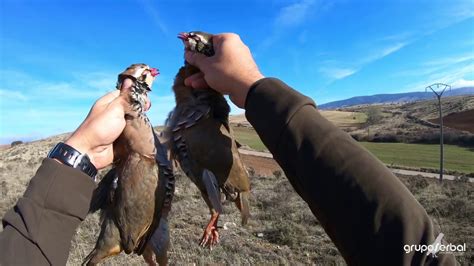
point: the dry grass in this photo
(343, 119)
(282, 229)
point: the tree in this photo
(374, 115)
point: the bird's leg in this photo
(212, 198)
(211, 236)
(148, 256)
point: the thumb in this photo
(195, 59)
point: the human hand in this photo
(102, 126)
(232, 70)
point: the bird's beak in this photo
(183, 36)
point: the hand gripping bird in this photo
(135, 195)
(203, 142)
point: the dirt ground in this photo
(460, 120)
(262, 166)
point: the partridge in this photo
(203, 142)
(135, 195)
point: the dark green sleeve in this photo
(366, 211)
(38, 230)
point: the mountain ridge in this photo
(404, 97)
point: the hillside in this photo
(344, 119)
(393, 98)
(460, 120)
(282, 229)
(413, 122)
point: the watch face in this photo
(69, 156)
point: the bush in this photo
(16, 142)
(385, 138)
(277, 174)
(454, 138)
(251, 171)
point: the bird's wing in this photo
(103, 194)
(164, 195)
(188, 116)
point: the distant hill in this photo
(393, 98)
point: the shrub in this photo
(16, 142)
(277, 174)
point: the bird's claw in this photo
(210, 238)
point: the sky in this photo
(58, 57)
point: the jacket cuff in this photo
(61, 188)
(270, 105)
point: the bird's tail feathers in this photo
(212, 189)
(88, 259)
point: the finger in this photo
(196, 81)
(126, 84)
(200, 84)
(195, 59)
(189, 80)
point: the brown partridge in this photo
(135, 196)
(203, 142)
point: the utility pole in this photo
(438, 89)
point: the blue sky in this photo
(57, 57)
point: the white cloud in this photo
(462, 83)
(97, 80)
(337, 73)
(383, 52)
(436, 66)
(401, 36)
(153, 14)
(12, 95)
(450, 60)
(454, 77)
(294, 14)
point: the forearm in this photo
(40, 227)
(365, 210)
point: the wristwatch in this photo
(73, 158)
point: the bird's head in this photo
(197, 41)
(142, 77)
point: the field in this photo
(345, 120)
(248, 136)
(282, 229)
(461, 120)
(399, 154)
(423, 155)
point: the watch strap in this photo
(73, 158)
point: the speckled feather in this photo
(202, 139)
(132, 210)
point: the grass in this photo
(248, 136)
(343, 117)
(423, 155)
(411, 155)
